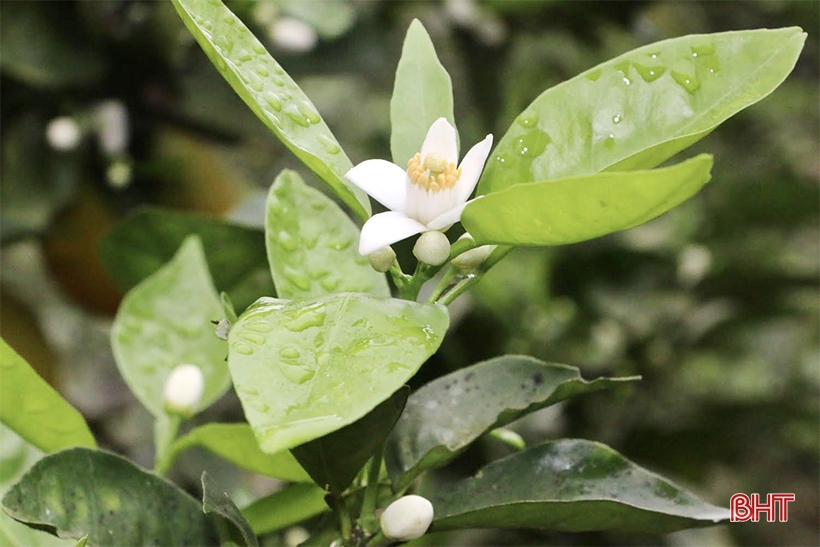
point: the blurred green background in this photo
(107, 106)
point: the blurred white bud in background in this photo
(293, 35)
(183, 390)
(63, 133)
(111, 125)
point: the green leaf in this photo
(562, 211)
(82, 541)
(303, 369)
(333, 461)
(313, 245)
(165, 321)
(33, 409)
(147, 239)
(237, 444)
(285, 508)
(435, 428)
(571, 486)
(422, 94)
(637, 110)
(272, 95)
(80, 492)
(215, 500)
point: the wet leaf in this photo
(571, 485)
(165, 321)
(272, 95)
(34, 410)
(435, 427)
(286, 507)
(80, 492)
(312, 244)
(303, 369)
(562, 211)
(639, 109)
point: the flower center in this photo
(435, 174)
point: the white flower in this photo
(429, 195)
(407, 518)
(183, 390)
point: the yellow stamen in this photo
(435, 175)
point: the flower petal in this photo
(381, 180)
(447, 219)
(441, 138)
(471, 167)
(385, 229)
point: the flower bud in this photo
(293, 35)
(472, 260)
(432, 248)
(63, 133)
(407, 518)
(183, 390)
(382, 259)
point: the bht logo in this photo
(742, 509)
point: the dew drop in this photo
(593, 75)
(255, 82)
(225, 43)
(242, 347)
(244, 55)
(287, 241)
(296, 374)
(329, 284)
(230, 20)
(329, 144)
(273, 100)
(289, 353)
(252, 337)
(207, 25)
(262, 71)
(609, 142)
(300, 281)
(527, 120)
(259, 48)
(339, 244)
(277, 81)
(703, 49)
(532, 144)
(616, 118)
(221, 65)
(306, 319)
(324, 359)
(292, 112)
(627, 81)
(258, 326)
(279, 70)
(319, 274)
(259, 406)
(500, 159)
(318, 206)
(688, 81)
(649, 73)
(309, 112)
(252, 391)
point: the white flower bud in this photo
(119, 174)
(407, 518)
(473, 259)
(183, 390)
(63, 133)
(111, 123)
(432, 248)
(293, 35)
(382, 259)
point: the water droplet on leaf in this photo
(329, 144)
(273, 100)
(292, 112)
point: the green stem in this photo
(165, 431)
(344, 519)
(371, 492)
(378, 539)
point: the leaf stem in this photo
(471, 279)
(165, 431)
(344, 519)
(371, 492)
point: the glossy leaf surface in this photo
(303, 369)
(272, 94)
(237, 444)
(334, 460)
(147, 239)
(637, 110)
(165, 321)
(435, 428)
(80, 492)
(217, 501)
(34, 410)
(422, 93)
(285, 508)
(571, 486)
(562, 211)
(312, 245)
